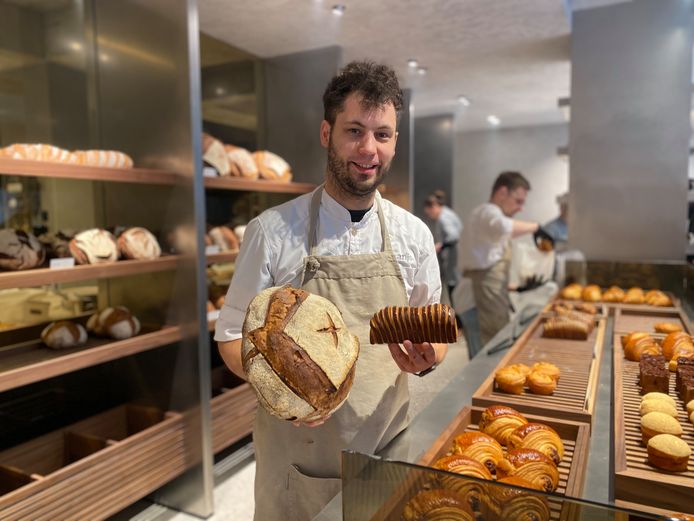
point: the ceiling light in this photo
(421, 71)
(219, 91)
(75, 46)
(493, 120)
(412, 63)
(465, 102)
(339, 9)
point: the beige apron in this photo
(490, 287)
(298, 468)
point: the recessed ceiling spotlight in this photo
(465, 102)
(219, 91)
(421, 71)
(412, 63)
(75, 46)
(339, 9)
(493, 120)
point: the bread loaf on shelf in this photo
(114, 322)
(37, 152)
(433, 323)
(103, 158)
(64, 334)
(138, 243)
(566, 327)
(241, 162)
(272, 167)
(94, 246)
(20, 250)
(224, 237)
(572, 292)
(213, 153)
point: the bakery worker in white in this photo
(362, 252)
(486, 251)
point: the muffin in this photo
(655, 423)
(690, 407)
(659, 396)
(548, 369)
(663, 406)
(669, 452)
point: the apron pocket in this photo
(308, 495)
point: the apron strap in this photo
(313, 223)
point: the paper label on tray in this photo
(208, 171)
(65, 262)
(212, 249)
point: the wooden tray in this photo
(93, 468)
(233, 408)
(574, 435)
(636, 481)
(578, 360)
(630, 319)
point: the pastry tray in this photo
(575, 437)
(578, 361)
(636, 481)
(630, 319)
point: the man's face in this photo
(361, 146)
(511, 202)
(432, 212)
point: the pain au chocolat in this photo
(432, 323)
(298, 354)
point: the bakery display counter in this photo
(92, 468)
(246, 185)
(232, 408)
(32, 361)
(628, 319)
(23, 167)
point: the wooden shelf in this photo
(89, 173)
(42, 276)
(219, 258)
(234, 183)
(30, 362)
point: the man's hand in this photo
(543, 240)
(413, 358)
(532, 282)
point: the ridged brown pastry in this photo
(499, 421)
(572, 292)
(433, 323)
(468, 489)
(437, 505)
(514, 504)
(591, 293)
(531, 465)
(540, 437)
(541, 383)
(613, 294)
(566, 328)
(480, 447)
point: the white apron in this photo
(298, 468)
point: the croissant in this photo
(655, 297)
(572, 292)
(565, 327)
(644, 346)
(613, 294)
(634, 296)
(667, 327)
(499, 421)
(541, 383)
(674, 340)
(515, 504)
(480, 447)
(463, 465)
(633, 337)
(510, 380)
(433, 323)
(540, 437)
(585, 307)
(467, 489)
(530, 465)
(437, 505)
(547, 368)
(591, 293)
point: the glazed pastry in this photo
(634, 296)
(667, 327)
(272, 167)
(636, 349)
(437, 505)
(138, 243)
(541, 383)
(540, 437)
(531, 465)
(241, 162)
(655, 423)
(499, 421)
(668, 452)
(463, 465)
(682, 352)
(547, 368)
(515, 504)
(633, 337)
(657, 406)
(480, 447)
(20, 250)
(94, 246)
(566, 328)
(613, 294)
(432, 323)
(114, 322)
(64, 335)
(103, 158)
(572, 292)
(591, 293)
(657, 298)
(510, 380)
(674, 340)
(37, 152)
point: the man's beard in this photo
(339, 170)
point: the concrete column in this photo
(433, 165)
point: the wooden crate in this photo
(629, 319)
(232, 409)
(578, 360)
(93, 468)
(636, 481)
(574, 435)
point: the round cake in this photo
(298, 353)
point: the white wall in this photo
(481, 155)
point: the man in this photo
(558, 228)
(447, 229)
(486, 251)
(343, 242)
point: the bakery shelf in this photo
(635, 480)
(630, 319)
(49, 169)
(246, 185)
(219, 258)
(93, 468)
(232, 407)
(29, 362)
(42, 276)
(574, 435)
(578, 360)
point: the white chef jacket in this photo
(450, 224)
(485, 235)
(275, 244)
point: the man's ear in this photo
(325, 133)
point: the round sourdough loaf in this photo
(298, 354)
(64, 334)
(138, 243)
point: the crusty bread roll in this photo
(567, 327)
(138, 243)
(37, 152)
(114, 322)
(432, 323)
(64, 335)
(634, 296)
(103, 158)
(272, 167)
(20, 250)
(591, 293)
(94, 246)
(214, 154)
(224, 237)
(572, 292)
(613, 294)
(298, 354)
(241, 162)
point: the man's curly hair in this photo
(377, 85)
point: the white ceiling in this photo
(510, 57)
